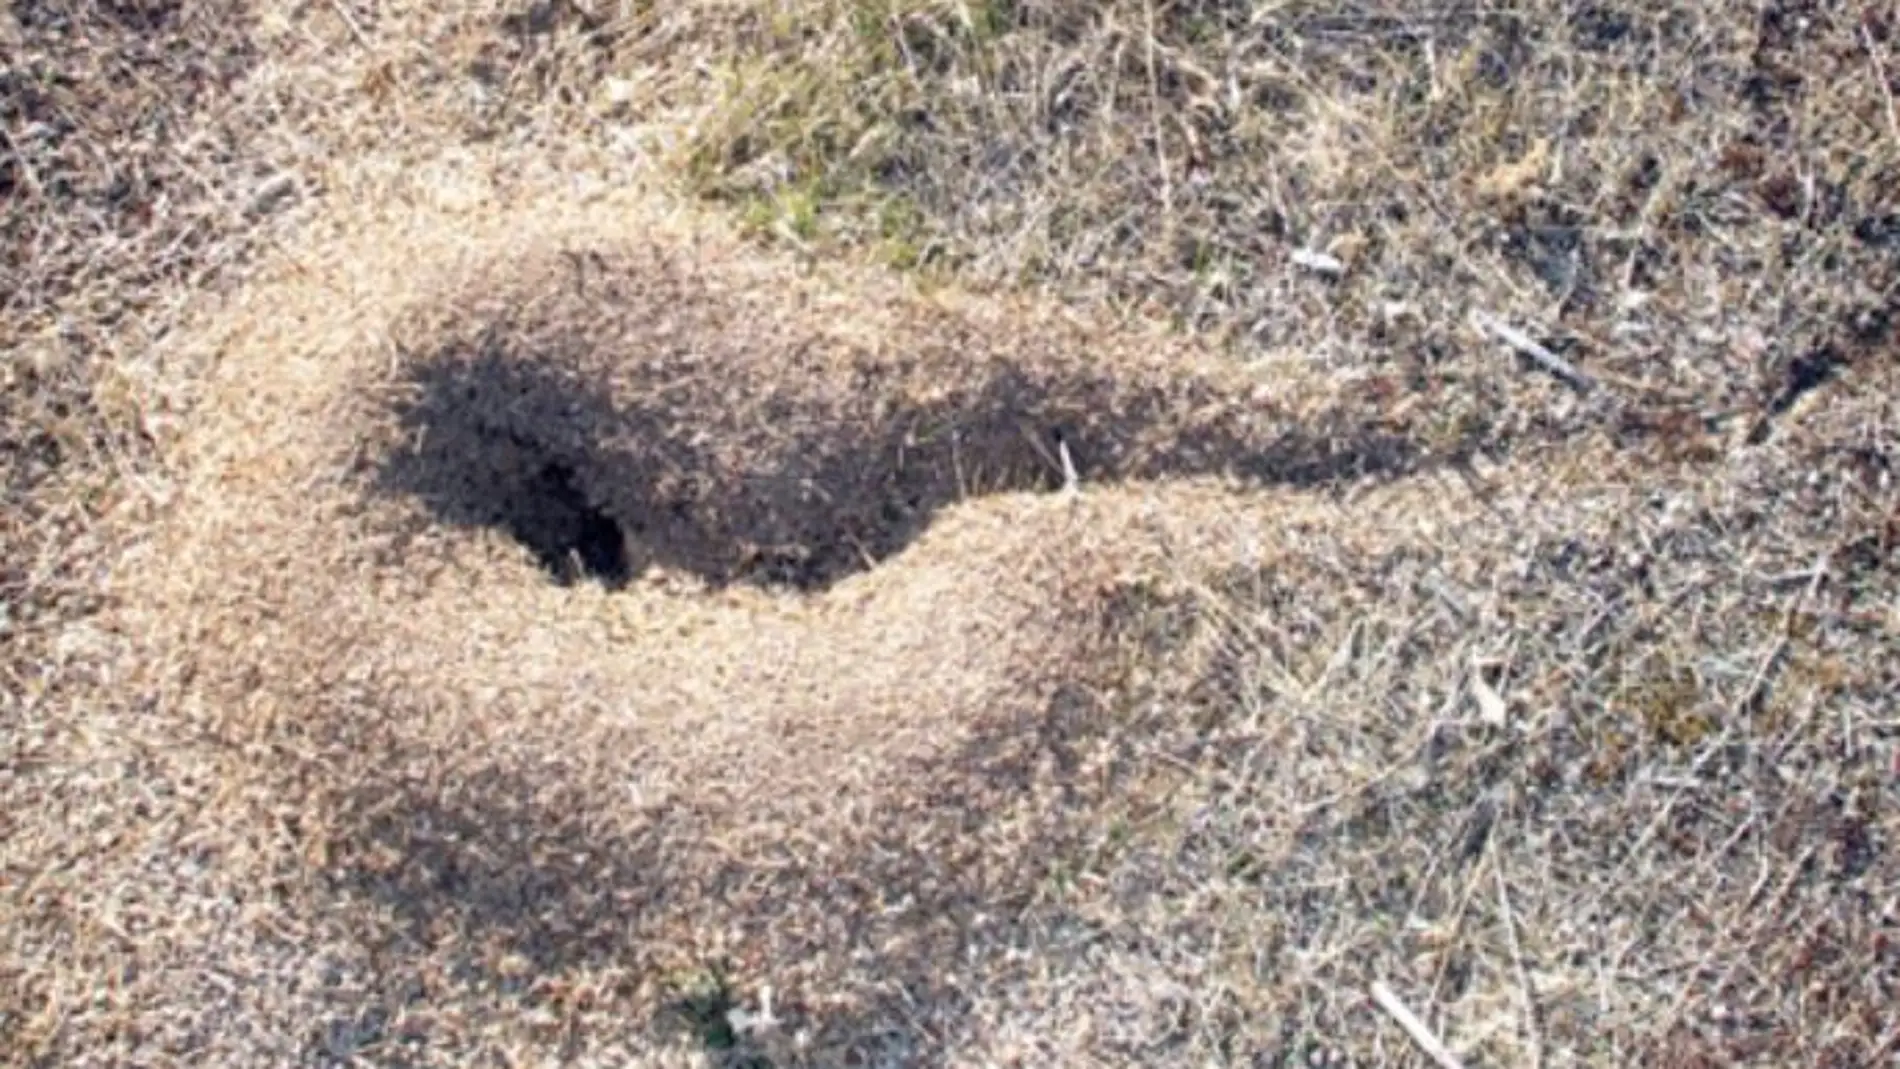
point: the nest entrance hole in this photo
(568, 534)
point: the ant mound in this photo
(579, 589)
(836, 497)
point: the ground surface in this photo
(541, 534)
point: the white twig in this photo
(1414, 1027)
(1319, 262)
(349, 22)
(1535, 350)
(1758, 682)
(743, 1020)
(1071, 482)
(271, 193)
(1880, 79)
(1517, 959)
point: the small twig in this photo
(1415, 1028)
(1035, 441)
(1161, 151)
(1880, 79)
(1443, 592)
(864, 554)
(1071, 482)
(744, 1021)
(1685, 784)
(1758, 682)
(1782, 892)
(349, 21)
(17, 149)
(1535, 350)
(271, 194)
(1319, 262)
(1517, 959)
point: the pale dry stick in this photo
(1161, 151)
(1059, 460)
(270, 193)
(1530, 347)
(745, 1021)
(1517, 959)
(1786, 888)
(1457, 932)
(1443, 592)
(1758, 683)
(1318, 262)
(1880, 79)
(956, 464)
(1815, 575)
(24, 168)
(349, 21)
(1728, 844)
(1759, 679)
(1415, 1028)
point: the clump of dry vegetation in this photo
(1681, 195)
(113, 179)
(458, 604)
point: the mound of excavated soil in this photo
(565, 599)
(555, 606)
(406, 458)
(573, 586)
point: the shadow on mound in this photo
(512, 887)
(802, 489)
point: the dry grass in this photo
(1596, 780)
(1675, 194)
(394, 673)
(345, 344)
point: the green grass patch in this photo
(824, 121)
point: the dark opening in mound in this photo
(568, 534)
(796, 490)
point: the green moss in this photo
(1667, 698)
